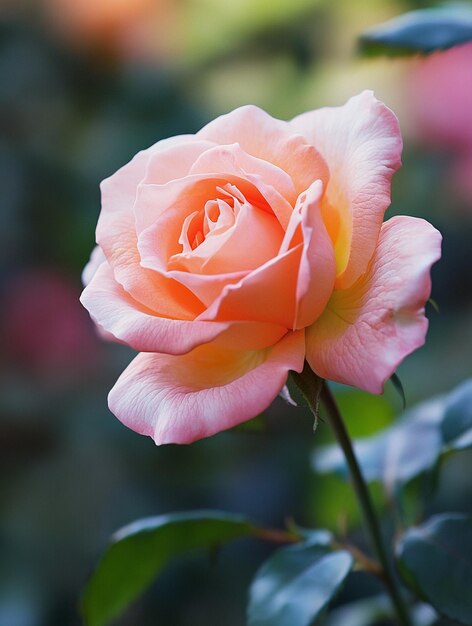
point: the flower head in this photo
(228, 257)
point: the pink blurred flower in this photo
(440, 100)
(43, 329)
(228, 257)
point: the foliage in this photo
(422, 31)
(435, 560)
(141, 550)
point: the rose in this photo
(228, 257)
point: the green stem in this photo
(308, 381)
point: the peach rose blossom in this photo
(228, 257)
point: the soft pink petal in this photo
(179, 399)
(368, 329)
(274, 185)
(174, 161)
(114, 310)
(207, 287)
(317, 269)
(253, 238)
(270, 139)
(189, 193)
(119, 190)
(361, 144)
(116, 229)
(267, 294)
(96, 259)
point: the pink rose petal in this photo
(115, 311)
(317, 270)
(368, 329)
(267, 294)
(361, 144)
(179, 399)
(272, 140)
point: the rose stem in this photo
(308, 381)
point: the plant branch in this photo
(308, 381)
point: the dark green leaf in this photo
(295, 586)
(435, 560)
(312, 536)
(308, 385)
(140, 551)
(397, 383)
(303, 389)
(393, 456)
(422, 31)
(377, 609)
(456, 426)
(364, 612)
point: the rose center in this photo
(212, 237)
(215, 218)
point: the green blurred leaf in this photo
(233, 23)
(412, 448)
(295, 586)
(364, 413)
(421, 31)
(375, 610)
(435, 560)
(456, 427)
(138, 553)
(326, 494)
(393, 456)
(257, 424)
(365, 612)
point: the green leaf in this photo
(295, 586)
(435, 560)
(364, 612)
(397, 383)
(377, 609)
(141, 550)
(421, 31)
(393, 456)
(456, 427)
(309, 387)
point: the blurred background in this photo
(83, 86)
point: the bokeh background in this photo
(83, 86)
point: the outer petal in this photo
(361, 144)
(114, 310)
(179, 399)
(368, 329)
(273, 140)
(116, 228)
(96, 259)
